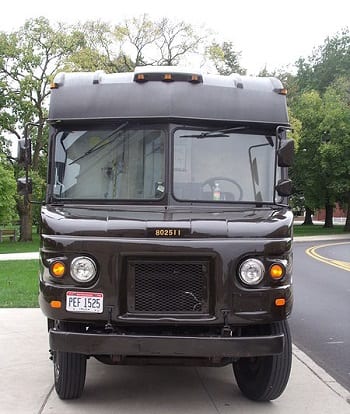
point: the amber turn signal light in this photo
(276, 271)
(56, 304)
(280, 302)
(57, 269)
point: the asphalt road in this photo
(321, 316)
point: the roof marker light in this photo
(281, 91)
(167, 77)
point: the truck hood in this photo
(143, 221)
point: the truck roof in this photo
(167, 93)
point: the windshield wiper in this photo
(101, 144)
(219, 133)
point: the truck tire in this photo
(69, 370)
(265, 378)
(69, 373)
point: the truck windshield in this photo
(110, 163)
(227, 167)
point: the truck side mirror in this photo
(284, 187)
(285, 154)
(24, 186)
(24, 152)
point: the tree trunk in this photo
(328, 223)
(347, 223)
(26, 220)
(308, 217)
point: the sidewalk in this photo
(26, 382)
(19, 256)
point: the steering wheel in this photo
(211, 182)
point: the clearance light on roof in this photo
(140, 77)
(281, 91)
(168, 77)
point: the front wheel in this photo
(69, 368)
(265, 378)
(69, 373)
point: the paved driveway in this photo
(26, 382)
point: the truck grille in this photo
(174, 286)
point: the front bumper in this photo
(175, 346)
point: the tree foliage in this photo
(225, 58)
(321, 101)
(328, 62)
(29, 58)
(7, 193)
(101, 48)
(138, 41)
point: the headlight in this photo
(251, 271)
(83, 269)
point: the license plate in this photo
(90, 302)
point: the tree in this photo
(162, 42)
(176, 41)
(307, 175)
(29, 58)
(322, 165)
(101, 48)
(138, 41)
(328, 62)
(7, 192)
(140, 33)
(225, 58)
(336, 150)
(321, 73)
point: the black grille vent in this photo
(168, 286)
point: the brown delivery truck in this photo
(166, 233)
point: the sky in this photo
(269, 33)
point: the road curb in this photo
(321, 374)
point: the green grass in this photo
(317, 230)
(19, 284)
(20, 247)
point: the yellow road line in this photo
(311, 251)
